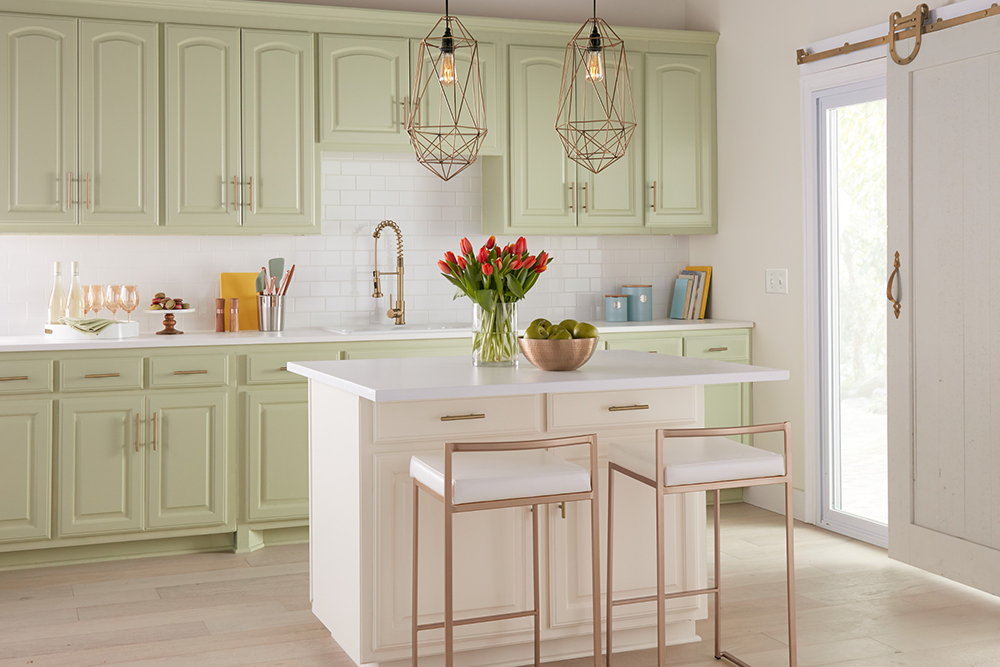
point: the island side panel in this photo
(335, 433)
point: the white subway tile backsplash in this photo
(332, 285)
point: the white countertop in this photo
(41, 342)
(433, 378)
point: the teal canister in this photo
(640, 302)
(616, 307)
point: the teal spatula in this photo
(261, 285)
(276, 269)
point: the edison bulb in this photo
(595, 66)
(447, 75)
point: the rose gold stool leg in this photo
(790, 574)
(718, 578)
(611, 541)
(536, 589)
(661, 609)
(449, 608)
(595, 567)
(413, 625)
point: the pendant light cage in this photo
(447, 120)
(596, 119)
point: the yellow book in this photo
(708, 281)
(242, 286)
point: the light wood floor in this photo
(856, 608)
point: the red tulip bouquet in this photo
(495, 279)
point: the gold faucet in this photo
(399, 312)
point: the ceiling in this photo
(640, 13)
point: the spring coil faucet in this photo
(398, 313)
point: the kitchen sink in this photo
(390, 328)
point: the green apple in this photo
(585, 330)
(568, 325)
(536, 332)
(540, 320)
(560, 334)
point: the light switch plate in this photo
(776, 281)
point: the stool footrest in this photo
(668, 596)
(478, 619)
(733, 659)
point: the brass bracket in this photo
(899, 23)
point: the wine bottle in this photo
(75, 305)
(57, 299)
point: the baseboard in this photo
(772, 498)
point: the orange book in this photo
(708, 281)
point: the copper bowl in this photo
(558, 355)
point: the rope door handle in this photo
(888, 290)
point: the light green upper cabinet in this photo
(25, 470)
(681, 142)
(100, 465)
(364, 90)
(119, 117)
(186, 485)
(38, 119)
(543, 179)
(489, 68)
(202, 67)
(278, 122)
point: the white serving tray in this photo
(116, 331)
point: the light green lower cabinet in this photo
(100, 465)
(186, 470)
(277, 454)
(674, 346)
(25, 470)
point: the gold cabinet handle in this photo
(251, 201)
(86, 201)
(586, 199)
(283, 368)
(137, 431)
(562, 509)
(154, 431)
(102, 375)
(69, 190)
(624, 408)
(717, 349)
(14, 377)
(458, 418)
(234, 193)
(190, 372)
(654, 196)
(888, 290)
(572, 197)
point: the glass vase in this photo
(494, 335)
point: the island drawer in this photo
(23, 377)
(458, 419)
(622, 409)
(195, 370)
(728, 348)
(101, 374)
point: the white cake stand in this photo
(168, 320)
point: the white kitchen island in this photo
(368, 417)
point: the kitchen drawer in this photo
(459, 419)
(617, 409)
(272, 368)
(25, 377)
(197, 371)
(727, 348)
(674, 346)
(101, 374)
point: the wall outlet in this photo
(776, 281)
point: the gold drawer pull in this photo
(190, 372)
(458, 418)
(283, 368)
(717, 349)
(102, 375)
(623, 408)
(17, 377)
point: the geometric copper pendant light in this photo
(596, 119)
(447, 118)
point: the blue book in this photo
(680, 296)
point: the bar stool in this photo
(493, 475)
(705, 461)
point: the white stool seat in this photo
(697, 460)
(485, 476)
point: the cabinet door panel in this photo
(187, 460)
(99, 468)
(119, 113)
(203, 125)
(277, 454)
(680, 141)
(38, 118)
(278, 128)
(541, 173)
(614, 197)
(363, 85)
(25, 469)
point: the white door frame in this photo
(813, 87)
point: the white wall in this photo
(332, 283)
(760, 177)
